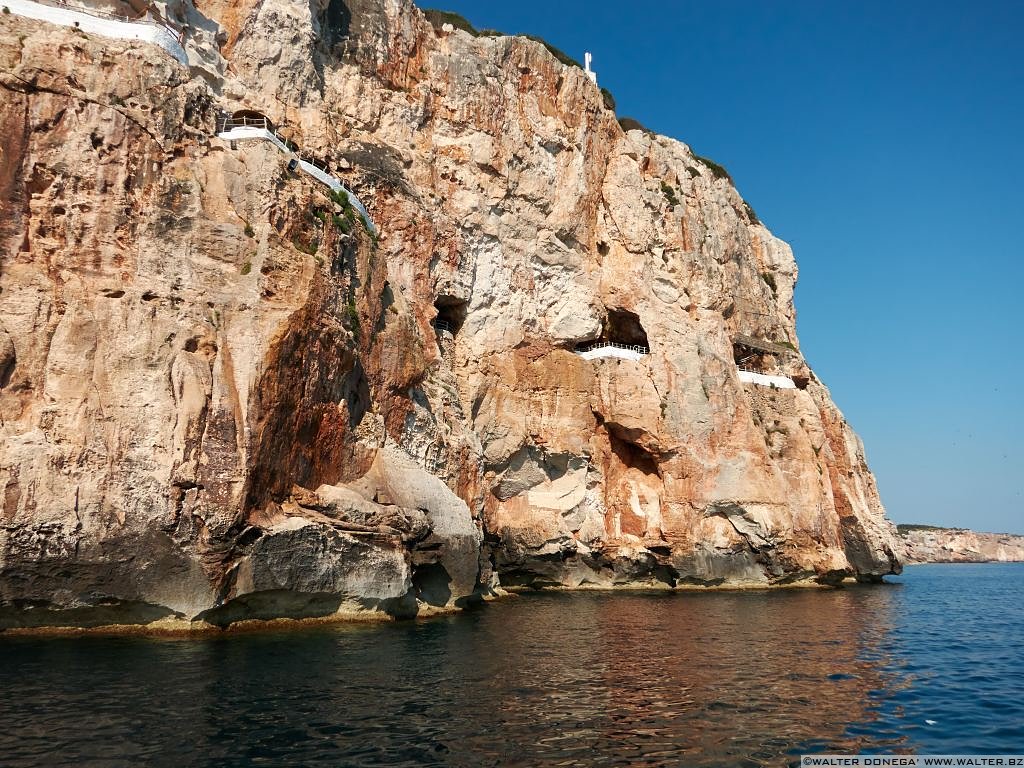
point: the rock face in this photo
(222, 398)
(928, 544)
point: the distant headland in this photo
(933, 544)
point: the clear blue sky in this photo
(884, 141)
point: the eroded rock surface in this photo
(222, 398)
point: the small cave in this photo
(620, 328)
(8, 361)
(451, 314)
(242, 118)
(778, 358)
(753, 359)
(356, 393)
(624, 327)
(629, 453)
(248, 114)
(337, 21)
(432, 584)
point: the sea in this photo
(930, 663)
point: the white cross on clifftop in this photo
(587, 58)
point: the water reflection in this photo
(719, 679)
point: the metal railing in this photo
(145, 28)
(442, 325)
(227, 124)
(638, 348)
(146, 18)
(315, 167)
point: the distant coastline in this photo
(935, 544)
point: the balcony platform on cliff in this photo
(121, 27)
(762, 346)
(766, 379)
(601, 349)
(249, 126)
(757, 359)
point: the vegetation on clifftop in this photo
(439, 18)
(716, 170)
(632, 124)
(908, 527)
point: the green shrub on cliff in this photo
(559, 54)
(669, 193)
(309, 248)
(340, 197)
(716, 170)
(632, 124)
(352, 313)
(439, 18)
(750, 213)
(907, 527)
(609, 100)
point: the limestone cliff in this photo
(222, 397)
(930, 544)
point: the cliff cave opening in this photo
(338, 18)
(751, 359)
(432, 583)
(251, 117)
(621, 328)
(451, 313)
(629, 453)
(759, 355)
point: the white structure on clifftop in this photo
(104, 24)
(587, 58)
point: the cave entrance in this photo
(621, 329)
(250, 117)
(758, 355)
(339, 21)
(451, 314)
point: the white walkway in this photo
(612, 349)
(764, 380)
(105, 25)
(249, 129)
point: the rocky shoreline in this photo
(180, 627)
(933, 544)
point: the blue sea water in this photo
(931, 663)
